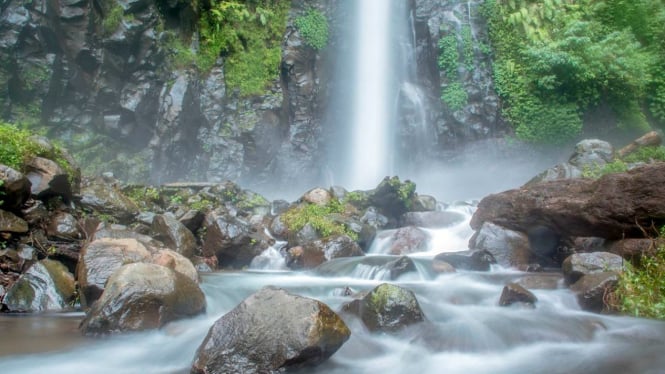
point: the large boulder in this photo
(176, 261)
(613, 207)
(14, 189)
(143, 296)
(46, 286)
(589, 153)
(515, 293)
(269, 332)
(174, 234)
(100, 259)
(387, 308)
(232, 240)
(509, 248)
(313, 254)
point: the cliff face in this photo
(99, 76)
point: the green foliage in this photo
(454, 96)
(320, 217)
(641, 155)
(641, 290)
(467, 47)
(112, 18)
(16, 146)
(448, 55)
(574, 55)
(313, 27)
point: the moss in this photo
(323, 218)
(620, 165)
(112, 18)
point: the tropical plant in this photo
(313, 27)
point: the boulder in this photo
(589, 153)
(509, 248)
(635, 249)
(515, 293)
(35, 212)
(14, 189)
(269, 332)
(467, 260)
(432, 220)
(174, 234)
(143, 296)
(580, 264)
(108, 199)
(392, 197)
(46, 286)
(48, 179)
(387, 308)
(232, 240)
(318, 196)
(175, 261)
(63, 226)
(615, 206)
(99, 259)
(424, 203)
(593, 289)
(9, 222)
(313, 254)
(405, 240)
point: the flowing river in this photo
(466, 330)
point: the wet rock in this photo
(174, 235)
(541, 281)
(35, 212)
(143, 296)
(63, 226)
(442, 267)
(374, 219)
(393, 197)
(406, 240)
(399, 267)
(192, 220)
(100, 259)
(45, 286)
(232, 240)
(48, 179)
(509, 248)
(113, 231)
(11, 223)
(433, 220)
(635, 249)
(175, 261)
(589, 153)
(515, 293)
(387, 308)
(593, 289)
(106, 199)
(580, 264)
(318, 196)
(15, 189)
(467, 260)
(269, 332)
(424, 203)
(615, 206)
(313, 254)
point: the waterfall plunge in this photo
(371, 130)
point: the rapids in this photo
(466, 331)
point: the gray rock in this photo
(48, 179)
(313, 254)
(580, 264)
(269, 332)
(174, 235)
(406, 240)
(64, 226)
(467, 260)
(15, 189)
(509, 248)
(106, 199)
(143, 296)
(46, 286)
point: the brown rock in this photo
(514, 293)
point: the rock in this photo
(313, 254)
(515, 293)
(48, 179)
(424, 203)
(393, 197)
(651, 138)
(509, 248)
(143, 296)
(35, 212)
(442, 267)
(14, 189)
(399, 267)
(175, 261)
(106, 231)
(46, 286)
(63, 226)
(432, 220)
(593, 289)
(269, 332)
(100, 259)
(174, 235)
(580, 264)
(192, 220)
(542, 281)
(106, 199)
(374, 218)
(635, 249)
(318, 196)
(615, 206)
(467, 260)
(232, 240)
(11, 223)
(406, 240)
(387, 308)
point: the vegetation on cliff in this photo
(557, 60)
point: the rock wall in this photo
(109, 91)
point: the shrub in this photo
(320, 217)
(313, 27)
(454, 96)
(641, 290)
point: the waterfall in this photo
(370, 120)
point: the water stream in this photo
(466, 331)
